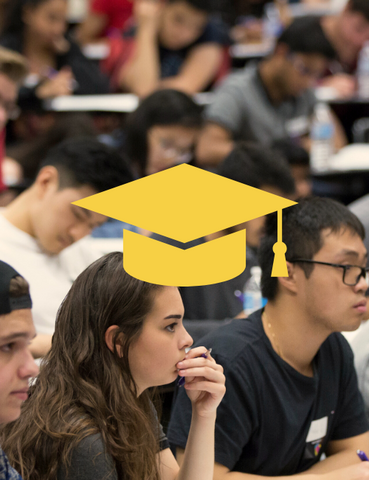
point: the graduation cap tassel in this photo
(279, 265)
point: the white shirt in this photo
(50, 276)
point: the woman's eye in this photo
(171, 327)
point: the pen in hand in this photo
(182, 380)
(362, 456)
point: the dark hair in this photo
(359, 6)
(302, 233)
(14, 18)
(83, 388)
(18, 287)
(13, 65)
(67, 125)
(256, 166)
(164, 107)
(305, 35)
(86, 161)
(204, 5)
(293, 153)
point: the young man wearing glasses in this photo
(272, 100)
(292, 391)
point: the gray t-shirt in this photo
(90, 461)
(360, 208)
(242, 105)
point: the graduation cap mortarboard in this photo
(185, 203)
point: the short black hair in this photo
(293, 153)
(204, 5)
(305, 35)
(257, 166)
(166, 107)
(359, 6)
(302, 233)
(86, 161)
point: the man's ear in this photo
(289, 283)
(109, 339)
(47, 179)
(281, 50)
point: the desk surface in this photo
(120, 102)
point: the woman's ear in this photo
(289, 282)
(110, 335)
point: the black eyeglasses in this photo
(351, 273)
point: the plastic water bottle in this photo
(362, 72)
(253, 299)
(322, 138)
(272, 22)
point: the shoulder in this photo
(236, 341)
(307, 97)
(238, 83)
(215, 32)
(89, 459)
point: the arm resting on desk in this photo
(215, 143)
(197, 71)
(342, 463)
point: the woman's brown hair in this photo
(83, 387)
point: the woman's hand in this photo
(148, 12)
(204, 381)
(60, 84)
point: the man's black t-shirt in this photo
(274, 420)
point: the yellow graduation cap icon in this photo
(185, 203)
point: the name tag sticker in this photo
(318, 429)
(298, 126)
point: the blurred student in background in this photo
(272, 100)
(42, 222)
(173, 45)
(13, 69)
(299, 161)
(105, 18)
(37, 29)
(347, 32)
(162, 132)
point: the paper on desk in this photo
(350, 158)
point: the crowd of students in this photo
(83, 343)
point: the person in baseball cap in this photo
(17, 365)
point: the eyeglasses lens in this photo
(353, 275)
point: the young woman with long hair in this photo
(90, 414)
